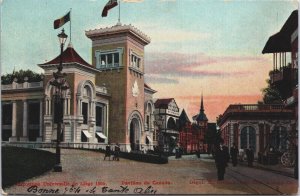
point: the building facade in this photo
(167, 111)
(106, 101)
(284, 76)
(192, 134)
(261, 127)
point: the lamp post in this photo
(59, 83)
(159, 122)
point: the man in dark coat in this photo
(234, 154)
(250, 156)
(107, 151)
(117, 152)
(221, 159)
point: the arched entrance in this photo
(278, 139)
(248, 138)
(135, 130)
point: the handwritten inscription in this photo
(80, 190)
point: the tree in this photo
(20, 75)
(271, 94)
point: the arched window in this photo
(278, 139)
(248, 138)
(85, 103)
(171, 124)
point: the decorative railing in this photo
(254, 107)
(77, 145)
(25, 85)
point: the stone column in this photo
(25, 121)
(69, 107)
(78, 106)
(66, 106)
(46, 106)
(14, 122)
(40, 138)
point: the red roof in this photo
(69, 56)
(147, 86)
(162, 103)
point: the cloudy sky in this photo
(196, 46)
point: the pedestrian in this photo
(234, 154)
(107, 151)
(221, 159)
(117, 152)
(250, 156)
(296, 163)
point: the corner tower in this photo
(118, 52)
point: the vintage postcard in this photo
(189, 97)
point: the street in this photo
(85, 172)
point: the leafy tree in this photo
(20, 75)
(271, 94)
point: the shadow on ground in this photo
(19, 164)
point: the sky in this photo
(209, 47)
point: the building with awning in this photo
(284, 75)
(106, 101)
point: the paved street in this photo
(90, 174)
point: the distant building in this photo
(200, 126)
(191, 137)
(260, 127)
(185, 132)
(284, 75)
(167, 111)
(266, 127)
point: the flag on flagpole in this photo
(61, 21)
(111, 4)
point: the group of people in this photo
(115, 153)
(222, 157)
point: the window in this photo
(148, 122)
(7, 110)
(83, 137)
(99, 116)
(279, 139)
(135, 61)
(34, 113)
(109, 59)
(248, 138)
(85, 112)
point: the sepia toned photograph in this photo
(149, 97)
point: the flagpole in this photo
(119, 21)
(70, 26)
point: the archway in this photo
(135, 130)
(248, 138)
(278, 139)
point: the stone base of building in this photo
(39, 139)
(13, 139)
(23, 139)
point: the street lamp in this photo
(159, 122)
(59, 83)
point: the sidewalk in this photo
(279, 169)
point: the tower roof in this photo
(69, 56)
(119, 29)
(201, 116)
(183, 118)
